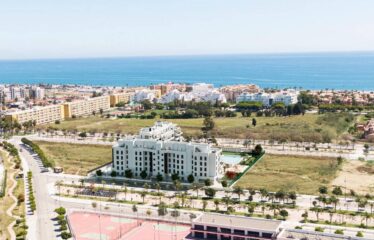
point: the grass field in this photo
(76, 158)
(291, 173)
(5, 203)
(294, 128)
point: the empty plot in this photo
(291, 173)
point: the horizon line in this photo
(187, 55)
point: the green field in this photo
(290, 173)
(310, 127)
(76, 158)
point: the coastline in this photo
(310, 71)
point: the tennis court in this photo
(93, 226)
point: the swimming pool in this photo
(231, 158)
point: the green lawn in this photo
(295, 128)
(76, 158)
(290, 173)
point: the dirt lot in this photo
(359, 176)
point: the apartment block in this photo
(160, 149)
(125, 97)
(40, 115)
(86, 107)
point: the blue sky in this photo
(95, 28)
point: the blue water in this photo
(231, 159)
(309, 71)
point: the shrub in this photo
(60, 211)
(65, 235)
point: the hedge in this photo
(46, 162)
(3, 184)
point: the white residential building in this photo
(208, 95)
(287, 97)
(144, 94)
(160, 149)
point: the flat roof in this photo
(239, 222)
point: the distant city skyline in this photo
(93, 29)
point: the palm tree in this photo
(125, 190)
(263, 193)
(239, 191)
(143, 194)
(205, 203)
(367, 217)
(196, 188)
(135, 210)
(216, 202)
(305, 216)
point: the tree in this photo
(65, 235)
(134, 208)
(216, 203)
(143, 194)
(257, 150)
(254, 122)
(162, 209)
(210, 192)
(283, 213)
(147, 105)
(143, 174)
(323, 190)
(190, 178)
(83, 135)
(99, 173)
(175, 177)
(196, 188)
(208, 124)
(113, 174)
(205, 203)
(128, 173)
(207, 182)
(60, 211)
(305, 216)
(251, 210)
(159, 177)
(337, 191)
(239, 191)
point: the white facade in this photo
(143, 95)
(287, 97)
(160, 150)
(208, 95)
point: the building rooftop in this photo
(295, 234)
(239, 221)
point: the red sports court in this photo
(94, 226)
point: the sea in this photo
(339, 71)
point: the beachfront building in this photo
(86, 107)
(231, 92)
(224, 227)
(288, 97)
(40, 115)
(160, 149)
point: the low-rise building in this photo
(224, 227)
(288, 97)
(160, 149)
